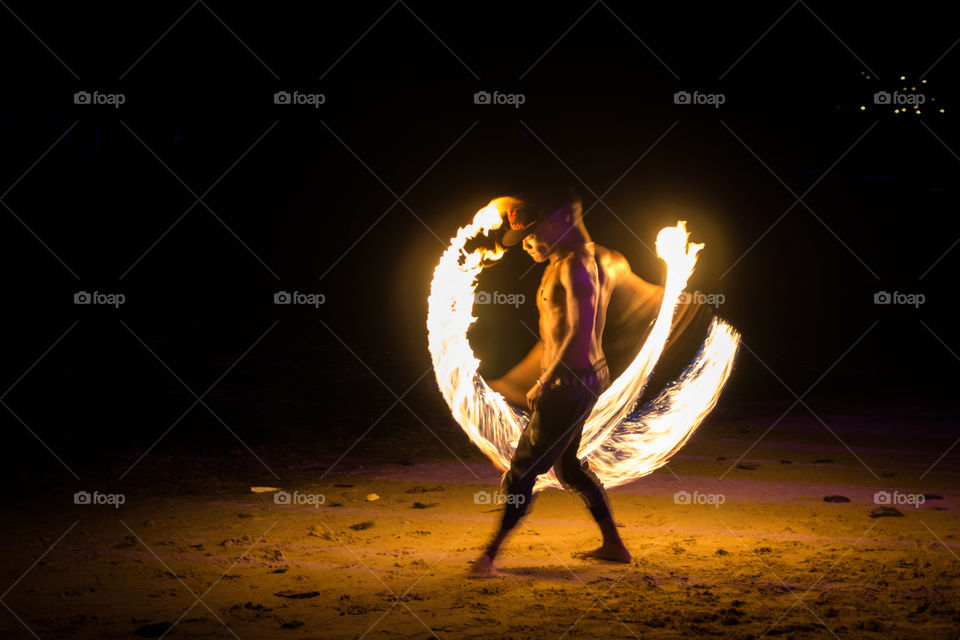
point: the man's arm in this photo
(514, 384)
(634, 304)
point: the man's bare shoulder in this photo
(611, 259)
(616, 263)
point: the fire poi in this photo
(621, 440)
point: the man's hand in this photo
(534, 395)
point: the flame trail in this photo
(622, 441)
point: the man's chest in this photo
(551, 294)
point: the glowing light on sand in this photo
(621, 440)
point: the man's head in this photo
(544, 222)
(557, 230)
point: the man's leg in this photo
(536, 452)
(575, 475)
(517, 485)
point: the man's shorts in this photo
(555, 428)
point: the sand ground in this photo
(194, 553)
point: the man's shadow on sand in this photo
(558, 574)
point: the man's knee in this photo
(570, 474)
(516, 477)
(576, 475)
(536, 461)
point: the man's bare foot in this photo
(614, 552)
(483, 567)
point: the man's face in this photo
(536, 247)
(542, 242)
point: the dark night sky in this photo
(302, 198)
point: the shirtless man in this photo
(634, 304)
(572, 301)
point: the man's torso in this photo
(592, 295)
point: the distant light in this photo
(868, 77)
(923, 82)
(862, 72)
(903, 77)
(862, 108)
(913, 88)
(941, 110)
(896, 110)
(917, 112)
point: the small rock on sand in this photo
(289, 593)
(290, 624)
(154, 630)
(419, 489)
